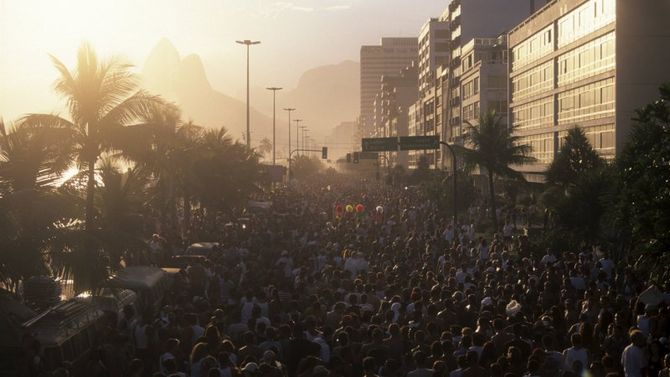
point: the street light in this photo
(304, 133)
(297, 135)
(289, 110)
(248, 43)
(274, 136)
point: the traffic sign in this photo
(380, 144)
(412, 143)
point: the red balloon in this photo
(360, 208)
(339, 208)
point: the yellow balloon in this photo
(350, 208)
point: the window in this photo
(475, 85)
(542, 146)
(537, 80)
(589, 17)
(534, 115)
(500, 107)
(588, 60)
(533, 48)
(589, 102)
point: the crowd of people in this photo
(392, 287)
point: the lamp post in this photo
(297, 133)
(289, 110)
(274, 116)
(304, 133)
(248, 43)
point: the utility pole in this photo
(297, 134)
(248, 43)
(289, 110)
(274, 116)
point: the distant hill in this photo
(328, 95)
(184, 81)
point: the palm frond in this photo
(139, 106)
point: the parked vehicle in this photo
(183, 261)
(148, 282)
(66, 332)
(202, 248)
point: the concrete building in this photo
(388, 58)
(434, 39)
(585, 63)
(473, 24)
(483, 85)
(397, 93)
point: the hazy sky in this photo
(296, 35)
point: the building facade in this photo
(396, 94)
(483, 83)
(588, 64)
(474, 26)
(389, 58)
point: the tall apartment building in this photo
(434, 39)
(467, 21)
(483, 83)
(388, 58)
(397, 93)
(585, 63)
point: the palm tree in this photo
(120, 201)
(102, 97)
(265, 146)
(165, 151)
(494, 148)
(31, 160)
(224, 172)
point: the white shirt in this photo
(573, 354)
(633, 360)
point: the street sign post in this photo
(380, 144)
(412, 143)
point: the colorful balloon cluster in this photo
(349, 208)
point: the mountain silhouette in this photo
(184, 81)
(325, 97)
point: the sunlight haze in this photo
(296, 36)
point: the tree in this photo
(31, 160)
(494, 148)
(644, 169)
(579, 184)
(306, 166)
(224, 172)
(120, 201)
(422, 171)
(575, 157)
(102, 97)
(265, 146)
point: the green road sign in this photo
(380, 144)
(412, 143)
